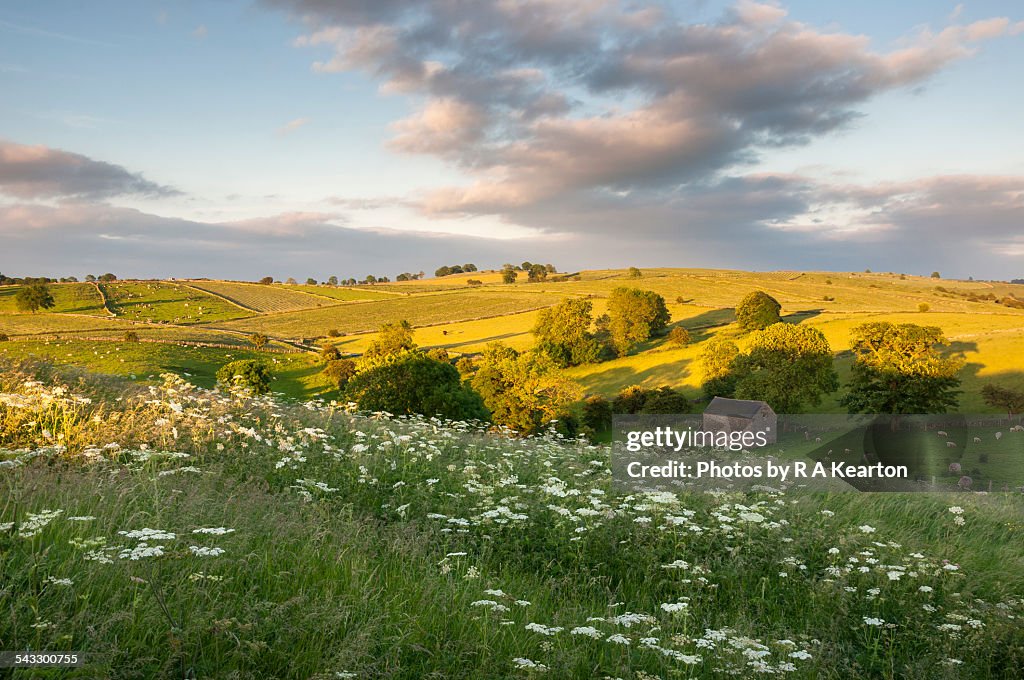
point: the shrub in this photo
(245, 374)
(4, 337)
(923, 307)
(597, 413)
(634, 273)
(474, 282)
(758, 310)
(679, 336)
(339, 371)
(330, 353)
(334, 333)
(131, 336)
(258, 340)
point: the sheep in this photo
(950, 445)
(1017, 428)
(817, 440)
(965, 483)
(999, 435)
(942, 433)
(954, 468)
(977, 440)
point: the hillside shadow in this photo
(802, 315)
(613, 378)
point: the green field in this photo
(262, 298)
(160, 301)
(69, 298)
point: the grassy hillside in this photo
(180, 533)
(450, 313)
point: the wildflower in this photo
(925, 589)
(618, 639)
(871, 621)
(542, 629)
(148, 534)
(866, 529)
(527, 663)
(216, 531)
(752, 517)
(589, 631)
(673, 607)
(800, 654)
(956, 510)
(200, 551)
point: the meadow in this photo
(172, 531)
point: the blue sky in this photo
(306, 137)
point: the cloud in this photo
(292, 125)
(43, 172)
(200, 32)
(538, 99)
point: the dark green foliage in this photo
(679, 336)
(439, 354)
(108, 277)
(898, 369)
(509, 275)
(258, 340)
(34, 297)
(563, 333)
(757, 310)
(339, 371)
(415, 383)
(267, 280)
(537, 273)
(330, 353)
(662, 400)
(716, 359)
(597, 413)
(131, 336)
(634, 273)
(634, 316)
(788, 366)
(247, 374)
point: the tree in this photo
(91, 278)
(563, 333)
(634, 273)
(33, 298)
(716, 359)
(509, 275)
(442, 271)
(786, 365)
(291, 281)
(131, 336)
(597, 413)
(267, 280)
(524, 392)
(415, 383)
(392, 339)
(758, 310)
(537, 273)
(332, 281)
(258, 340)
(108, 277)
(526, 265)
(330, 353)
(1008, 399)
(469, 268)
(679, 336)
(311, 281)
(898, 369)
(635, 315)
(936, 275)
(662, 400)
(371, 279)
(923, 307)
(248, 375)
(339, 371)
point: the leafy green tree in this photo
(248, 375)
(267, 280)
(899, 369)
(469, 268)
(392, 339)
(758, 310)
(716, 359)
(635, 315)
(537, 273)
(679, 336)
(311, 281)
(936, 275)
(258, 340)
(923, 307)
(339, 371)
(91, 278)
(332, 281)
(634, 273)
(524, 392)
(33, 298)
(1006, 398)
(442, 271)
(108, 277)
(636, 399)
(330, 353)
(786, 365)
(415, 383)
(563, 333)
(509, 275)
(630, 400)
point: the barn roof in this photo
(734, 408)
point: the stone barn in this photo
(740, 415)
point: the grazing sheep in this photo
(999, 435)
(965, 483)
(950, 445)
(977, 440)
(1017, 428)
(817, 440)
(942, 433)
(954, 468)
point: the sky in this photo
(310, 138)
